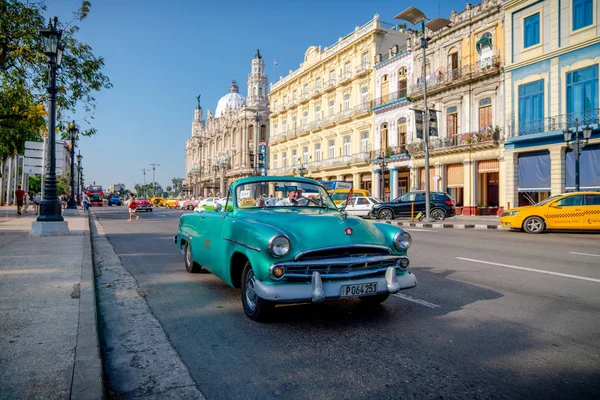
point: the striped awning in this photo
(485, 166)
(456, 176)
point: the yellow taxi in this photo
(577, 210)
(171, 203)
(340, 195)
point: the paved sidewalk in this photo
(49, 346)
(458, 222)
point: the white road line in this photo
(541, 271)
(419, 230)
(161, 215)
(418, 301)
(585, 254)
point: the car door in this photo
(565, 213)
(591, 212)
(362, 206)
(403, 204)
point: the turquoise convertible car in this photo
(283, 240)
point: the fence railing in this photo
(556, 123)
(388, 98)
(488, 65)
(484, 137)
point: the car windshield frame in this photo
(549, 200)
(312, 192)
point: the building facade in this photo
(465, 88)
(394, 127)
(321, 122)
(225, 146)
(115, 187)
(552, 62)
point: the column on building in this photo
(511, 193)
(501, 185)
(557, 170)
(377, 184)
(470, 183)
(393, 183)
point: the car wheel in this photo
(438, 214)
(371, 301)
(534, 225)
(190, 266)
(149, 209)
(255, 308)
(386, 213)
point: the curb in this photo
(88, 382)
(447, 226)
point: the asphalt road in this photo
(496, 314)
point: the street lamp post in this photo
(73, 130)
(256, 136)
(382, 161)
(416, 16)
(577, 145)
(50, 210)
(79, 188)
(154, 165)
(144, 187)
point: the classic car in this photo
(143, 204)
(292, 253)
(114, 199)
(171, 203)
(577, 211)
(189, 204)
(360, 206)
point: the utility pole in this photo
(144, 171)
(154, 165)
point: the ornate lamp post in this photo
(256, 136)
(72, 204)
(577, 145)
(221, 161)
(79, 188)
(416, 16)
(50, 221)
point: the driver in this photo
(294, 198)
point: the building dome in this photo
(231, 100)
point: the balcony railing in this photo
(460, 141)
(362, 107)
(388, 98)
(549, 124)
(344, 76)
(362, 68)
(344, 114)
(489, 65)
(316, 90)
(330, 83)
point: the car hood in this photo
(523, 209)
(317, 228)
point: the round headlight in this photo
(402, 240)
(279, 246)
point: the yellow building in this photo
(321, 122)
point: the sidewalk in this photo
(49, 344)
(458, 222)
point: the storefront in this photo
(366, 181)
(589, 169)
(488, 181)
(456, 182)
(533, 180)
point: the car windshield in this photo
(549, 199)
(374, 200)
(282, 194)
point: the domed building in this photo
(226, 146)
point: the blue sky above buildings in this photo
(161, 54)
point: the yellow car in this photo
(340, 195)
(157, 201)
(577, 210)
(171, 203)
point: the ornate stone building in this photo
(224, 147)
(465, 86)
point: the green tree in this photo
(35, 184)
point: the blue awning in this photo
(534, 172)
(589, 168)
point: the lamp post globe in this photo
(50, 209)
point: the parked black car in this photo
(442, 206)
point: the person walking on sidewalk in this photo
(20, 197)
(132, 208)
(36, 203)
(86, 202)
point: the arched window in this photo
(254, 91)
(260, 92)
(384, 136)
(250, 133)
(402, 75)
(402, 134)
(485, 49)
(385, 89)
(485, 114)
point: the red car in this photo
(143, 204)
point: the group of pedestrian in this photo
(24, 200)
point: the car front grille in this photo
(343, 251)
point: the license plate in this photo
(365, 289)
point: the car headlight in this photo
(279, 245)
(510, 213)
(402, 240)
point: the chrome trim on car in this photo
(320, 290)
(366, 246)
(343, 267)
(270, 243)
(243, 244)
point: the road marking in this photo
(541, 271)
(161, 215)
(585, 254)
(419, 230)
(418, 301)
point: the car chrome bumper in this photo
(317, 291)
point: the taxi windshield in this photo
(549, 199)
(270, 194)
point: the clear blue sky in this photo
(161, 54)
